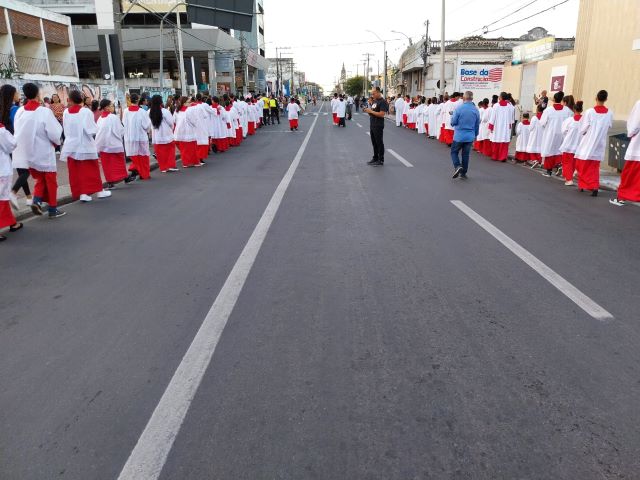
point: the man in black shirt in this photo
(377, 112)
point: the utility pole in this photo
(292, 87)
(442, 86)
(243, 66)
(181, 54)
(277, 72)
(366, 73)
(117, 25)
(425, 58)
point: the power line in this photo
(500, 19)
(527, 18)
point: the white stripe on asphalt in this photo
(150, 453)
(358, 124)
(368, 133)
(575, 295)
(402, 160)
(326, 113)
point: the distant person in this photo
(551, 123)
(341, 112)
(334, 108)
(542, 100)
(37, 133)
(500, 126)
(377, 112)
(466, 124)
(136, 138)
(534, 144)
(356, 102)
(629, 188)
(273, 106)
(399, 107)
(162, 126)
(523, 129)
(293, 112)
(594, 128)
(109, 142)
(7, 145)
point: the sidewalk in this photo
(64, 190)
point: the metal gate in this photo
(528, 88)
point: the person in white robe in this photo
(110, 145)
(629, 189)
(523, 130)
(334, 108)
(594, 128)
(7, 145)
(421, 116)
(185, 119)
(432, 114)
(449, 107)
(136, 138)
(341, 112)
(293, 112)
(162, 125)
(37, 133)
(500, 125)
(407, 107)
(551, 123)
(534, 144)
(399, 107)
(570, 140)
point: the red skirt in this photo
(629, 188)
(166, 155)
(252, 128)
(6, 215)
(448, 136)
(441, 137)
(426, 128)
(536, 157)
(46, 186)
(551, 161)
(412, 125)
(476, 145)
(486, 147)
(84, 177)
(404, 118)
(222, 144)
(238, 136)
(293, 123)
(568, 165)
(140, 163)
(521, 156)
(335, 118)
(188, 153)
(499, 151)
(114, 166)
(202, 151)
(588, 174)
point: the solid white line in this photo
(358, 124)
(575, 295)
(402, 160)
(150, 453)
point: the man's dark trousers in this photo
(377, 142)
(275, 115)
(464, 148)
(265, 116)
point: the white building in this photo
(36, 44)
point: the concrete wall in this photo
(563, 63)
(605, 57)
(511, 79)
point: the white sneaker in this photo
(568, 183)
(104, 194)
(85, 198)
(618, 203)
(13, 198)
(174, 170)
(29, 202)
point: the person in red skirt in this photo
(79, 150)
(185, 133)
(136, 138)
(293, 111)
(109, 140)
(629, 188)
(570, 139)
(162, 135)
(7, 145)
(594, 128)
(523, 129)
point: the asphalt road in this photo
(380, 332)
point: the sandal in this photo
(15, 228)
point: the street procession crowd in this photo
(559, 136)
(90, 136)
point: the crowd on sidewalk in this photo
(559, 137)
(90, 136)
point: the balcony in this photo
(32, 65)
(66, 69)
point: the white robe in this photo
(185, 124)
(110, 134)
(501, 118)
(341, 109)
(570, 135)
(164, 133)
(136, 132)
(230, 128)
(421, 117)
(243, 112)
(334, 105)
(449, 108)
(633, 131)
(483, 130)
(522, 136)
(79, 130)
(551, 123)
(412, 117)
(293, 110)
(399, 105)
(535, 136)
(35, 133)
(7, 145)
(432, 113)
(594, 128)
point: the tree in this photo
(353, 85)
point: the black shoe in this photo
(377, 164)
(36, 208)
(457, 172)
(463, 175)
(372, 161)
(57, 214)
(594, 193)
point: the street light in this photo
(384, 46)
(408, 37)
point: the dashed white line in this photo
(402, 160)
(571, 292)
(358, 124)
(150, 453)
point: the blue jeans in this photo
(465, 147)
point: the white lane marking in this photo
(368, 133)
(575, 295)
(402, 160)
(358, 124)
(326, 113)
(150, 453)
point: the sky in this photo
(321, 35)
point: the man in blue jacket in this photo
(465, 123)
